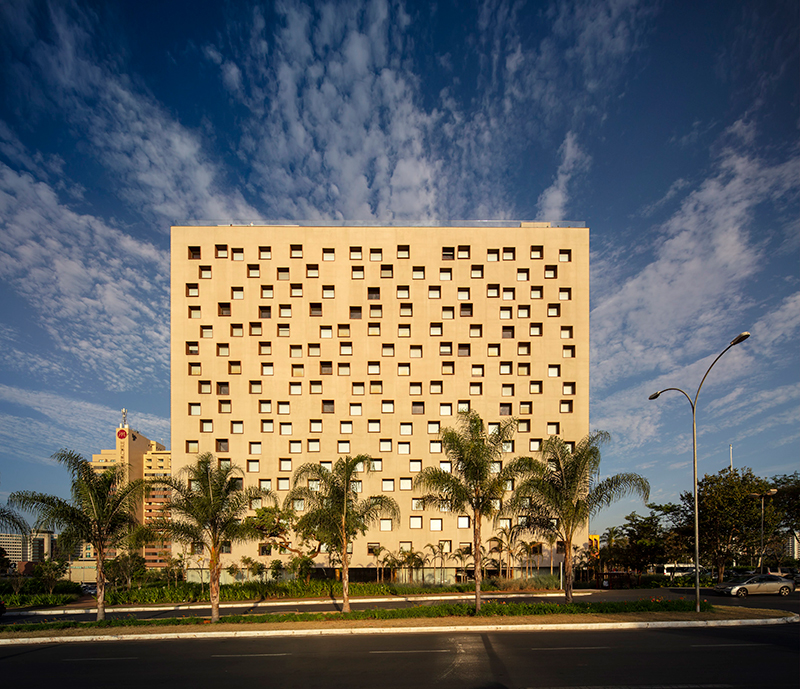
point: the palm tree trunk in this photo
(476, 538)
(101, 583)
(568, 570)
(214, 571)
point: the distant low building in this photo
(34, 548)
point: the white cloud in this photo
(553, 201)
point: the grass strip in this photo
(489, 609)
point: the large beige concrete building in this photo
(295, 344)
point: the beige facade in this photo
(295, 344)
(143, 459)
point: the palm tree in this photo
(476, 483)
(527, 550)
(504, 542)
(101, 512)
(438, 552)
(563, 490)
(333, 513)
(462, 556)
(376, 553)
(206, 505)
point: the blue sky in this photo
(670, 128)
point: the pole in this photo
(731, 449)
(761, 548)
(696, 510)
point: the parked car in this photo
(89, 589)
(752, 585)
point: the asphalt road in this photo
(790, 603)
(711, 658)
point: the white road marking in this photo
(570, 648)
(81, 660)
(249, 655)
(724, 645)
(425, 650)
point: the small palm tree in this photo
(476, 483)
(463, 556)
(206, 505)
(526, 550)
(504, 541)
(376, 553)
(563, 490)
(333, 513)
(102, 511)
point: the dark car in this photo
(756, 584)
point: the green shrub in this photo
(26, 600)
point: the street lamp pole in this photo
(763, 495)
(737, 340)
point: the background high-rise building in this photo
(295, 344)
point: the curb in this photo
(280, 602)
(358, 631)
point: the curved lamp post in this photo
(763, 495)
(735, 341)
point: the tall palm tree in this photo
(563, 490)
(333, 513)
(475, 482)
(205, 509)
(101, 512)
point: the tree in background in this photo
(101, 512)
(503, 543)
(730, 520)
(50, 572)
(124, 568)
(11, 521)
(476, 483)
(787, 502)
(333, 514)
(643, 542)
(563, 489)
(206, 507)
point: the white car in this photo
(755, 584)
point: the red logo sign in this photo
(122, 434)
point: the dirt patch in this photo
(720, 613)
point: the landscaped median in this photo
(423, 616)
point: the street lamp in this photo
(735, 341)
(763, 495)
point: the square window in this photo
(283, 273)
(509, 293)
(475, 388)
(327, 406)
(374, 368)
(523, 311)
(436, 329)
(374, 329)
(463, 405)
(550, 272)
(204, 272)
(235, 368)
(406, 484)
(508, 331)
(568, 389)
(315, 309)
(237, 330)
(553, 428)
(506, 312)
(206, 331)
(445, 274)
(253, 465)
(418, 273)
(434, 292)
(537, 292)
(283, 484)
(374, 293)
(204, 387)
(524, 425)
(373, 426)
(285, 311)
(315, 425)
(325, 332)
(415, 388)
(466, 310)
(376, 311)
(312, 270)
(206, 426)
(565, 407)
(476, 272)
(565, 255)
(286, 428)
(436, 524)
(255, 387)
(285, 464)
(403, 369)
(358, 389)
(385, 445)
(414, 523)
(386, 525)
(523, 369)
(554, 371)
(375, 254)
(328, 292)
(505, 409)
(463, 294)
(295, 447)
(357, 272)
(535, 387)
(346, 348)
(507, 390)
(565, 294)
(418, 407)
(387, 406)
(445, 409)
(415, 351)
(403, 251)
(493, 350)
(493, 255)
(265, 348)
(403, 292)
(355, 314)
(328, 254)
(296, 251)
(436, 387)
(355, 409)
(343, 330)
(448, 253)
(223, 388)
(223, 308)
(509, 253)
(477, 370)
(414, 466)
(568, 351)
(265, 484)
(387, 350)
(406, 310)
(523, 275)
(265, 312)
(237, 427)
(194, 253)
(535, 444)
(446, 348)
(492, 291)
(265, 406)
(267, 368)
(343, 446)
(535, 330)
(194, 409)
(464, 349)
(255, 329)
(448, 313)
(355, 253)
(387, 271)
(283, 330)
(387, 485)
(314, 387)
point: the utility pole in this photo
(731, 449)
